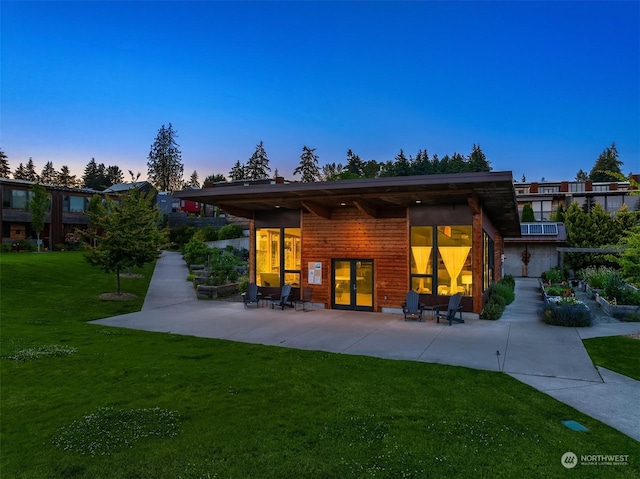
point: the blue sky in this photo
(543, 87)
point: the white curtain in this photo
(454, 258)
(421, 256)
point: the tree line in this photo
(165, 169)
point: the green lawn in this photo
(85, 401)
(617, 353)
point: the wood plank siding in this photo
(349, 233)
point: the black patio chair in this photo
(453, 308)
(412, 307)
(251, 296)
(284, 297)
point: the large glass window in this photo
(487, 261)
(454, 260)
(16, 199)
(74, 204)
(278, 256)
(450, 248)
(422, 259)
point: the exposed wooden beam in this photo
(236, 211)
(474, 204)
(366, 208)
(316, 209)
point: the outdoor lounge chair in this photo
(251, 295)
(304, 299)
(453, 308)
(284, 297)
(412, 307)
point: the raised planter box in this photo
(211, 292)
(618, 311)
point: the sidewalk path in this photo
(549, 358)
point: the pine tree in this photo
(49, 174)
(65, 178)
(114, 175)
(95, 176)
(308, 166)
(606, 164)
(30, 171)
(582, 176)
(354, 164)
(164, 163)
(237, 172)
(20, 173)
(214, 178)
(194, 181)
(5, 171)
(258, 165)
(527, 214)
(477, 160)
(401, 166)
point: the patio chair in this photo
(453, 308)
(304, 299)
(412, 307)
(251, 295)
(284, 297)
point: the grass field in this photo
(85, 401)
(617, 353)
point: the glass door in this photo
(352, 284)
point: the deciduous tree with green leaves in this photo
(123, 234)
(39, 205)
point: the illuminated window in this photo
(454, 260)
(422, 259)
(487, 261)
(278, 256)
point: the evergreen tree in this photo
(164, 163)
(20, 173)
(527, 214)
(477, 160)
(95, 176)
(214, 178)
(5, 171)
(421, 165)
(237, 172)
(582, 176)
(458, 164)
(49, 174)
(308, 166)
(401, 166)
(606, 164)
(559, 215)
(354, 164)
(65, 178)
(39, 205)
(194, 182)
(30, 171)
(371, 169)
(524, 178)
(114, 175)
(258, 165)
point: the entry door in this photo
(352, 284)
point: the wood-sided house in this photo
(362, 244)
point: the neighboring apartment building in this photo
(545, 197)
(66, 214)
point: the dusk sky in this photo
(543, 87)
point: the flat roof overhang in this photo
(375, 197)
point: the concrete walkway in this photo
(551, 359)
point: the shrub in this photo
(230, 231)
(509, 280)
(196, 252)
(566, 314)
(596, 277)
(181, 235)
(208, 233)
(552, 276)
(504, 291)
(557, 290)
(492, 310)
